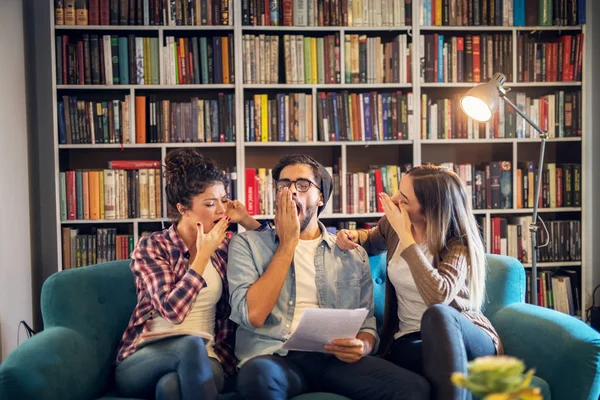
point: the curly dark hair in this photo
(188, 174)
(295, 159)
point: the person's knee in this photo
(192, 350)
(435, 317)
(420, 387)
(168, 388)
(258, 377)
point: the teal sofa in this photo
(86, 310)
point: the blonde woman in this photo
(436, 278)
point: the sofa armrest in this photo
(57, 363)
(564, 351)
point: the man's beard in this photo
(307, 217)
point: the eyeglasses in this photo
(302, 185)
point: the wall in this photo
(15, 243)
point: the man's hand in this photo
(349, 350)
(287, 224)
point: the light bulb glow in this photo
(476, 108)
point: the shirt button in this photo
(291, 302)
(287, 325)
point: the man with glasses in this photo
(274, 275)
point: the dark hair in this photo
(188, 174)
(295, 159)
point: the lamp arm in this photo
(533, 227)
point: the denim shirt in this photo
(343, 280)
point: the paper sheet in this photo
(319, 326)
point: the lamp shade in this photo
(481, 102)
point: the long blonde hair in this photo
(447, 208)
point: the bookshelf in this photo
(354, 156)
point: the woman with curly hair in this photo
(180, 276)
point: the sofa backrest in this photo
(96, 301)
(505, 283)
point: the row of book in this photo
(386, 13)
(86, 122)
(286, 118)
(468, 58)
(144, 12)
(377, 60)
(195, 120)
(362, 188)
(561, 185)
(111, 193)
(199, 60)
(491, 185)
(345, 116)
(107, 60)
(550, 59)
(557, 289)
(559, 114)
(309, 60)
(99, 246)
(502, 12)
(511, 237)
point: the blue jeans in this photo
(446, 343)
(171, 369)
(282, 377)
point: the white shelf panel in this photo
(330, 216)
(505, 140)
(333, 86)
(143, 28)
(498, 28)
(525, 210)
(143, 146)
(555, 264)
(112, 221)
(331, 144)
(248, 28)
(147, 87)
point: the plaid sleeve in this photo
(171, 297)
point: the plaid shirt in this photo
(166, 286)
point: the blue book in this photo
(124, 60)
(368, 120)
(251, 134)
(519, 12)
(282, 121)
(581, 12)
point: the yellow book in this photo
(392, 174)
(94, 188)
(313, 59)
(264, 117)
(101, 194)
(438, 13)
(147, 68)
(225, 58)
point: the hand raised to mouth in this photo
(287, 223)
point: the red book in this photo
(133, 164)
(378, 188)
(94, 12)
(71, 195)
(80, 64)
(104, 12)
(251, 204)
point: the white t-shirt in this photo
(306, 286)
(410, 303)
(201, 317)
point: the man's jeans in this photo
(282, 377)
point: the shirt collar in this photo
(177, 240)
